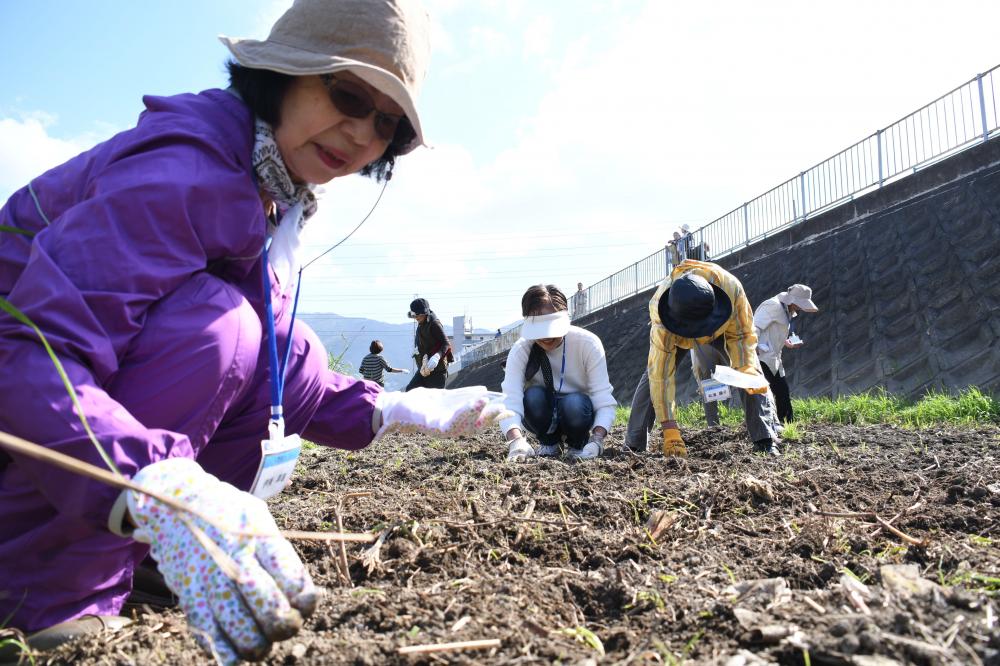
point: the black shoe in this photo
(149, 588)
(767, 447)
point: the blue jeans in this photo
(574, 414)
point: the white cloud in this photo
(487, 41)
(27, 149)
(537, 37)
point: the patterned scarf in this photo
(295, 204)
(273, 176)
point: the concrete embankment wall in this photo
(907, 279)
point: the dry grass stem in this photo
(451, 647)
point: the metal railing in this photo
(957, 120)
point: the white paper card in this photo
(742, 380)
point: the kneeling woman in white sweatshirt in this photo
(556, 382)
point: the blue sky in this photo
(570, 138)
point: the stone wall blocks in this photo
(912, 379)
(982, 369)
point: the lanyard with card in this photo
(279, 452)
(555, 397)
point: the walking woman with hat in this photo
(702, 307)
(556, 383)
(431, 349)
(160, 268)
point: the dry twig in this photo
(482, 644)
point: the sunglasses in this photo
(352, 100)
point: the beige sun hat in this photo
(384, 42)
(800, 295)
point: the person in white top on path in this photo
(556, 383)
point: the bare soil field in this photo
(862, 545)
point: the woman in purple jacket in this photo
(143, 263)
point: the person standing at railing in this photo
(674, 248)
(703, 307)
(579, 301)
(690, 247)
(683, 243)
(556, 383)
(772, 322)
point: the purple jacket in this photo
(109, 233)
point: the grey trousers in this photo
(759, 410)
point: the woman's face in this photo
(549, 344)
(319, 143)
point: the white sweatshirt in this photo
(586, 372)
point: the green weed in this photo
(792, 432)
(585, 636)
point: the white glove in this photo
(424, 369)
(440, 412)
(592, 449)
(433, 361)
(404, 371)
(520, 450)
(272, 592)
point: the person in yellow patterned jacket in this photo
(702, 307)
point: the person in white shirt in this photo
(556, 383)
(579, 301)
(772, 322)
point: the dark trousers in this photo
(434, 380)
(782, 398)
(574, 414)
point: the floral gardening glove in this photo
(272, 591)
(439, 412)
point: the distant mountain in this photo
(348, 339)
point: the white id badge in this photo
(714, 390)
(277, 462)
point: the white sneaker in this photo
(548, 450)
(589, 452)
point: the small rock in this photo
(840, 629)
(905, 581)
(867, 641)
(849, 644)
(299, 650)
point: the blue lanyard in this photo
(277, 378)
(562, 370)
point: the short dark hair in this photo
(263, 91)
(376, 347)
(539, 294)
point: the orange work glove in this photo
(673, 445)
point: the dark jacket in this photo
(430, 339)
